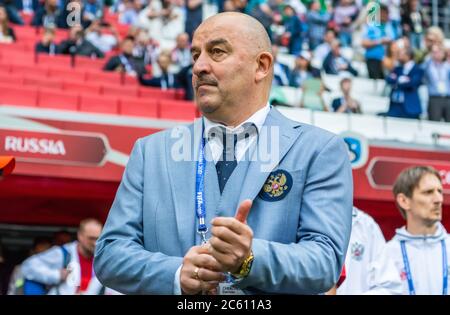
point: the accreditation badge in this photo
(442, 89)
(228, 287)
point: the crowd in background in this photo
(397, 43)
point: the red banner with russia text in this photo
(66, 148)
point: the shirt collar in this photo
(257, 119)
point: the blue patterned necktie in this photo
(226, 165)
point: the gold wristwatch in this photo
(245, 267)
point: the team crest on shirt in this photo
(357, 251)
(277, 186)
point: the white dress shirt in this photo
(213, 129)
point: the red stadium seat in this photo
(26, 17)
(122, 29)
(18, 46)
(179, 94)
(43, 82)
(99, 104)
(12, 94)
(156, 93)
(17, 57)
(137, 107)
(111, 17)
(29, 70)
(5, 68)
(26, 32)
(9, 78)
(61, 34)
(89, 63)
(179, 110)
(82, 87)
(103, 77)
(57, 99)
(120, 90)
(67, 73)
(129, 80)
(53, 61)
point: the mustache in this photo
(205, 80)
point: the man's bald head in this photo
(246, 25)
(233, 67)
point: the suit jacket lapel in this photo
(280, 134)
(182, 175)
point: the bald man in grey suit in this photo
(276, 206)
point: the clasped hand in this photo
(204, 266)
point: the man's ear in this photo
(403, 201)
(264, 63)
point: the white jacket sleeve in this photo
(44, 267)
(383, 277)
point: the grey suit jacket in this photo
(300, 239)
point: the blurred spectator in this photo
(294, 30)
(62, 237)
(335, 63)
(16, 280)
(346, 103)
(93, 9)
(13, 8)
(235, 5)
(162, 19)
(413, 23)
(374, 41)
(312, 95)
(6, 33)
(281, 72)
(181, 54)
(76, 277)
(145, 49)
(344, 15)
(302, 70)
(125, 61)
(76, 44)
(394, 16)
(48, 15)
(47, 45)
(433, 36)
(419, 249)
(166, 80)
(261, 11)
(102, 35)
(129, 13)
(322, 51)
(390, 60)
(194, 16)
(405, 80)
(317, 21)
(184, 77)
(437, 78)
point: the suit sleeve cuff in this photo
(177, 282)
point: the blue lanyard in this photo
(200, 190)
(408, 269)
